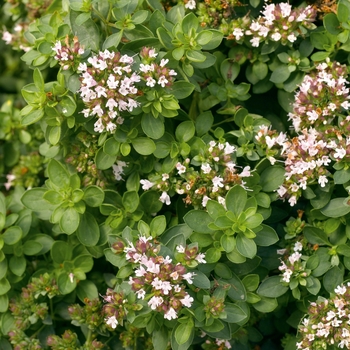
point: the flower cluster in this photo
(116, 308)
(157, 279)
(21, 341)
(278, 23)
(216, 344)
(81, 153)
(108, 88)
(270, 143)
(26, 172)
(214, 175)
(89, 315)
(307, 158)
(68, 55)
(327, 323)
(16, 38)
(153, 73)
(69, 340)
(293, 267)
(27, 310)
(322, 95)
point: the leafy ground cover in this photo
(174, 175)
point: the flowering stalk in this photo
(216, 175)
(327, 323)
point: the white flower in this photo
(187, 300)
(246, 172)
(141, 294)
(298, 247)
(112, 321)
(206, 168)
(238, 33)
(154, 302)
(205, 201)
(146, 184)
(229, 149)
(200, 258)
(180, 168)
(150, 82)
(339, 153)
(188, 277)
(163, 62)
(71, 277)
(291, 38)
(165, 198)
(217, 182)
(180, 248)
(163, 81)
(322, 180)
(294, 258)
(255, 42)
(170, 314)
(276, 36)
(340, 290)
(191, 4)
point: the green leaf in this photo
(272, 287)
(160, 338)
(215, 40)
(38, 79)
(17, 265)
(185, 131)
(332, 279)
(229, 69)
(204, 122)
(236, 199)
(4, 304)
(235, 314)
(144, 145)
(184, 331)
(195, 56)
(266, 237)
(280, 74)
(189, 21)
(87, 32)
(266, 305)
(152, 127)
(251, 282)
(12, 235)
(84, 262)
(342, 13)
(103, 160)
(223, 271)
(130, 201)
(69, 221)
(158, 225)
(336, 208)
(88, 231)
(113, 40)
(93, 196)
(87, 289)
(4, 286)
(32, 247)
(246, 246)
(272, 178)
(60, 252)
(31, 117)
(182, 89)
(200, 280)
(198, 220)
(65, 286)
(331, 23)
(58, 174)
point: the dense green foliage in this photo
(175, 175)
